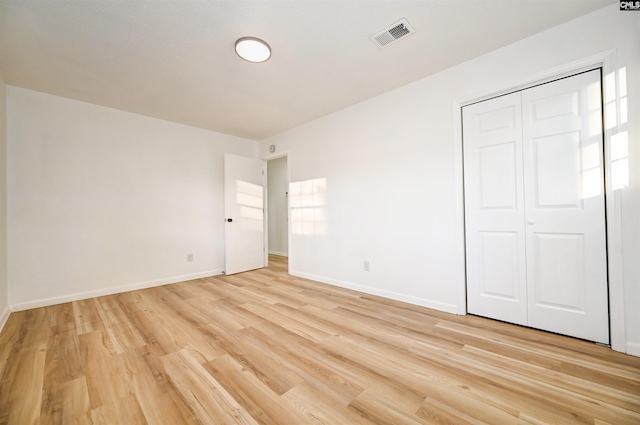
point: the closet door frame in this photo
(606, 61)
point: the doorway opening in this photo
(277, 211)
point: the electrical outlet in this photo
(189, 258)
(366, 266)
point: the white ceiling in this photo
(175, 59)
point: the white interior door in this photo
(565, 211)
(534, 208)
(494, 209)
(244, 214)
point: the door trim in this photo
(606, 61)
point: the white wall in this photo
(392, 171)
(102, 200)
(4, 288)
(277, 188)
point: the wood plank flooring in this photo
(266, 348)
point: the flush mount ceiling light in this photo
(253, 49)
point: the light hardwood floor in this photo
(267, 348)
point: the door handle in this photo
(531, 222)
(229, 220)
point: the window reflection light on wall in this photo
(620, 160)
(616, 115)
(622, 86)
(307, 200)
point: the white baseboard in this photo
(409, 299)
(4, 316)
(633, 349)
(44, 302)
(281, 254)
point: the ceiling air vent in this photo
(392, 34)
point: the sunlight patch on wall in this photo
(307, 200)
(620, 160)
(617, 116)
(622, 78)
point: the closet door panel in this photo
(557, 171)
(560, 280)
(565, 212)
(494, 209)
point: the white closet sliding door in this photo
(534, 208)
(494, 209)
